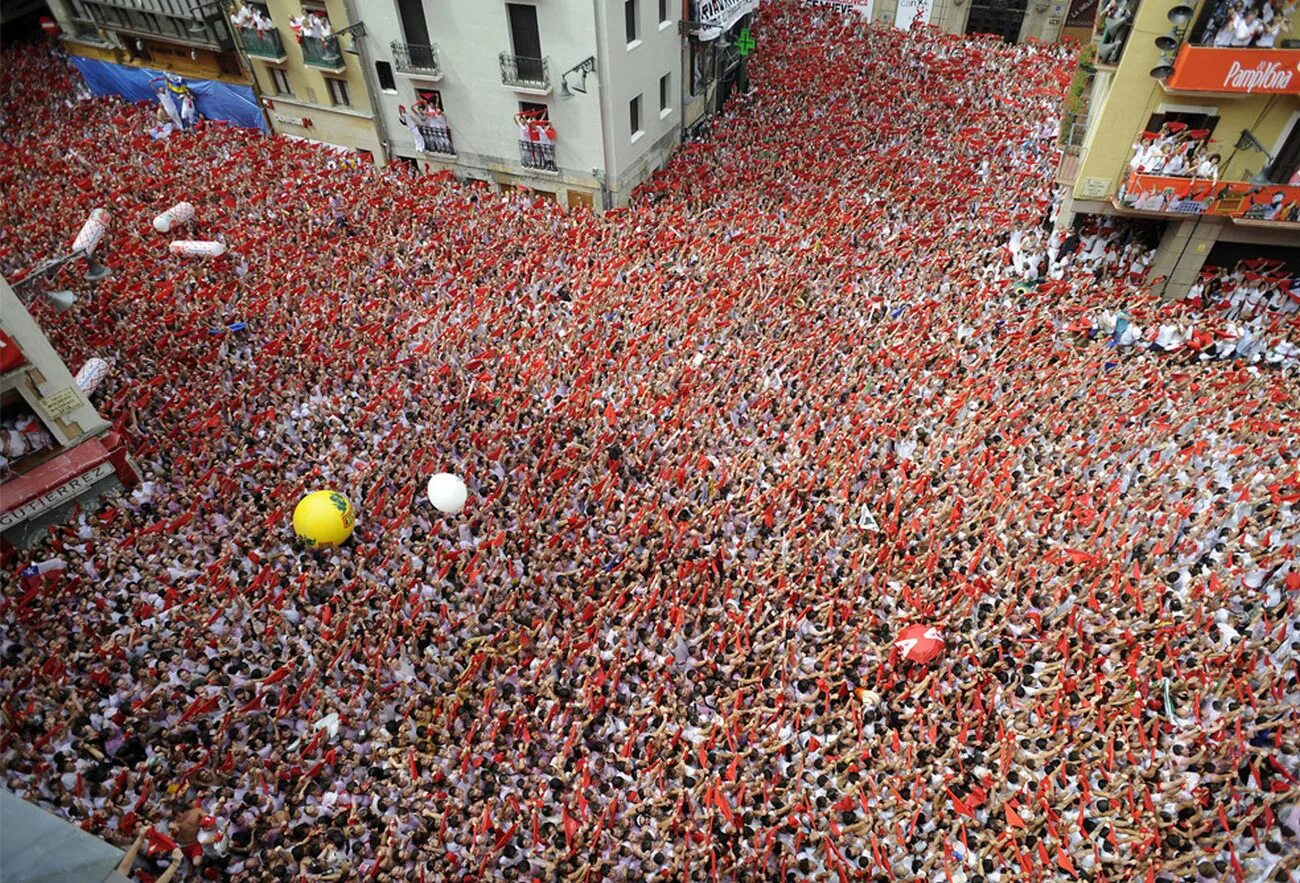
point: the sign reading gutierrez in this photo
(1206, 69)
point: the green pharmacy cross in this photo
(745, 43)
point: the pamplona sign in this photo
(1207, 69)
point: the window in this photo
(280, 81)
(663, 11)
(338, 92)
(431, 97)
(536, 111)
(663, 91)
(629, 19)
(634, 115)
(384, 71)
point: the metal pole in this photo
(367, 74)
(602, 70)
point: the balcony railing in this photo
(263, 44)
(537, 155)
(412, 58)
(521, 72)
(323, 53)
(1242, 201)
(84, 31)
(188, 30)
(437, 139)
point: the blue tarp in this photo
(216, 101)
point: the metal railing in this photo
(263, 44)
(437, 139)
(536, 155)
(1074, 126)
(519, 71)
(412, 58)
(84, 31)
(322, 53)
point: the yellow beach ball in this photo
(324, 518)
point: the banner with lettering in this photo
(909, 11)
(1201, 196)
(863, 8)
(1082, 14)
(1207, 69)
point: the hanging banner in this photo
(1082, 14)
(720, 15)
(1250, 70)
(1190, 196)
(911, 11)
(863, 8)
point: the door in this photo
(526, 41)
(1000, 17)
(414, 25)
(580, 199)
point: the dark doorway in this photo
(526, 41)
(414, 25)
(1000, 17)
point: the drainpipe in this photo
(598, 12)
(368, 74)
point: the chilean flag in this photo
(43, 573)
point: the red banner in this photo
(1201, 196)
(1207, 69)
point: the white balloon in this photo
(91, 374)
(180, 213)
(447, 493)
(92, 231)
(197, 249)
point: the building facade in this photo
(55, 450)
(1162, 124)
(308, 62)
(577, 100)
(192, 38)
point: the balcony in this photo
(180, 26)
(263, 44)
(1207, 70)
(83, 31)
(523, 74)
(416, 60)
(1242, 202)
(538, 156)
(435, 140)
(323, 53)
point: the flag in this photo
(43, 573)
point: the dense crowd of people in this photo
(722, 447)
(1240, 24)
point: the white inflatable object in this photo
(193, 248)
(447, 493)
(91, 375)
(180, 213)
(92, 231)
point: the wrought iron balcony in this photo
(421, 61)
(323, 54)
(263, 44)
(521, 72)
(537, 155)
(204, 27)
(437, 139)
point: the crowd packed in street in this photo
(824, 380)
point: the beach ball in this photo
(324, 518)
(447, 492)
